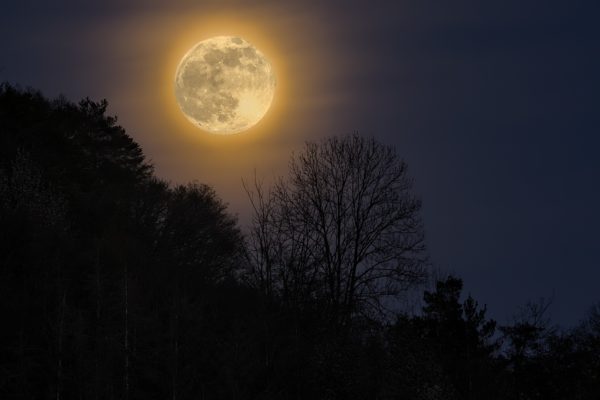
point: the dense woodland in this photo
(117, 285)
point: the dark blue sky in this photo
(494, 105)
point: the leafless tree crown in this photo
(343, 227)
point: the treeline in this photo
(117, 285)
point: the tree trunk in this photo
(126, 344)
(59, 361)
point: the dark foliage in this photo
(116, 285)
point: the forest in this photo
(115, 284)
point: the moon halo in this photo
(224, 85)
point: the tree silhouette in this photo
(104, 269)
(460, 335)
(117, 285)
(343, 227)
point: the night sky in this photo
(494, 105)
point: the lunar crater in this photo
(224, 85)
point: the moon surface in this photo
(224, 85)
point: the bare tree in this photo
(343, 228)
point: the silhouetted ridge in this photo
(117, 285)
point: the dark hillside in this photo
(117, 285)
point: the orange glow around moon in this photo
(224, 85)
(225, 26)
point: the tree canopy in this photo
(343, 227)
(117, 285)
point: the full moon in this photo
(224, 85)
